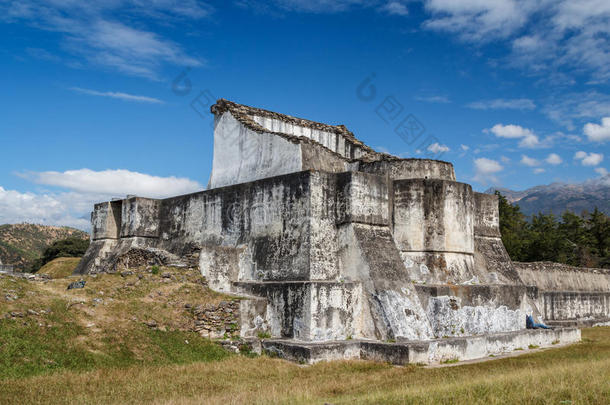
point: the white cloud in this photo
(47, 209)
(486, 169)
(510, 131)
(503, 104)
(553, 159)
(79, 191)
(395, 8)
(528, 161)
(119, 95)
(568, 107)
(598, 133)
(321, 6)
(464, 147)
(434, 99)
(90, 31)
(527, 136)
(542, 36)
(602, 171)
(589, 159)
(382, 149)
(438, 148)
(580, 155)
(504, 159)
(539, 170)
(545, 35)
(116, 182)
(478, 20)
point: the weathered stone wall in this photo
(548, 276)
(491, 259)
(433, 229)
(401, 169)
(487, 218)
(252, 144)
(568, 293)
(368, 254)
(474, 309)
(106, 220)
(332, 254)
(140, 218)
(270, 218)
(575, 305)
(317, 310)
(317, 157)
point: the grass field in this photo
(96, 353)
(578, 374)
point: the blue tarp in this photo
(530, 324)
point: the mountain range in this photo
(558, 197)
(22, 244)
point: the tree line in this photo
(577, 240)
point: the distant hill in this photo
(22, 244)
(559, 197)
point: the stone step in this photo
(422, 352)
(580, 322)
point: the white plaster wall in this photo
(328, 139)
(242, 155)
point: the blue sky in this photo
(95, 104)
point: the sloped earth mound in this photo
(60, 268)
(148, 315)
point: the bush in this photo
(70, 247)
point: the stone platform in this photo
(421, 352)
(336, 249)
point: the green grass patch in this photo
(28, 350)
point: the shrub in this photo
(70, 247)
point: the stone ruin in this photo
(6, 268)
(338, 251)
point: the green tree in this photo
(545, 241)
(70, 247)
(513, 228)
(573, 231)
(598, 227)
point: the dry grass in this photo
(94, 352)
(577, 374)
(60, 268)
